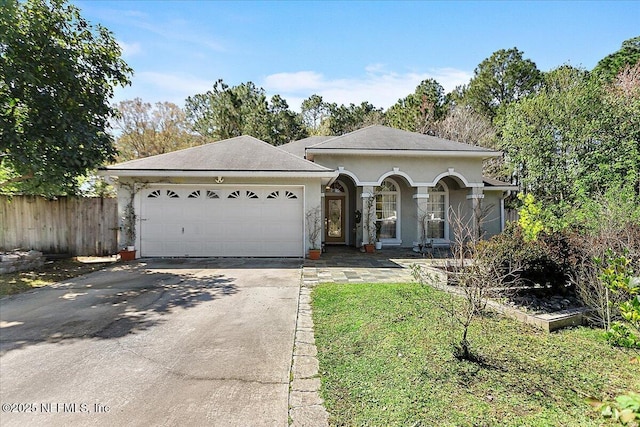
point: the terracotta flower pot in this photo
(369, 248)
(127, 255)
(314, 254)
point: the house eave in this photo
(501, 188)
(311, 152)
(144, 173)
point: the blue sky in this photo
(347, 51)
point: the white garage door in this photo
(227, 221)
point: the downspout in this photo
(502, 216)
(502, 213)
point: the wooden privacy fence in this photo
(511, 215)
(67, 225)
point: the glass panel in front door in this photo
(334, 216)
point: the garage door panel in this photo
(171, 210)
(234, 248)
(233, 230)
(213, 247)
(195, 230)
(243, 225)
(167, 247)
(154, 228)
(213, 214)
(287, 233)
(288, 247)
(192, 248)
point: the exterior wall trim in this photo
(412, 183)
(413, 153)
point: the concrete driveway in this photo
(157, 342)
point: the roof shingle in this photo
(385, 138)
(242, 153)
(298, 147)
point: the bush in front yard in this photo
(618, 237)
(541, 262)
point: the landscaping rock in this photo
(11, 262)
(541, 304)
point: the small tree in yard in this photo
(313, 219)
(370, 224)
(476, 275)
(617, 275)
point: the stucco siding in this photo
(419, 169)
(409, 212)
(491, 224)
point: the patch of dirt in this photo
(52, 272)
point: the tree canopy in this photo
(226, 112)
(331, 119)
(575, 138)
(344, 119)
(628, 55)
(58, 74)
(502, 78)
(147, 130)
(419, 111)
(314, 111)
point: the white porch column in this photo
(422, 200)
(367, 192)
(476, 194)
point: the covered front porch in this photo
(403, 213)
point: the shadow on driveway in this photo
(111, 303)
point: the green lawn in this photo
(386, 359)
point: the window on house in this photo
(387, 196)
(336, 187)
(437, 212)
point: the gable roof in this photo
(239, 154)
(494, 184)
(383, 138)
(298, 147)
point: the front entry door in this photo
(334, 220)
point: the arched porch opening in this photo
(339, 212)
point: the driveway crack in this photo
(191, 377)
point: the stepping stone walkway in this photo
(305, 405)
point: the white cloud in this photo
(375, 68)
(133, 13)
(298, 81)
(378, 85)
(129, 49)
(449, 78)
